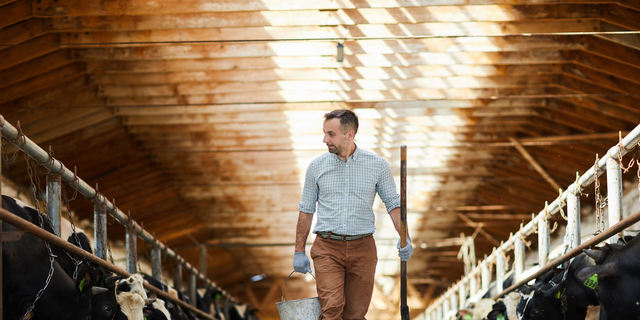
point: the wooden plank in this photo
(612, 50)
(28, 50)
(295, 54)
(535, 164)
(34, 67)
(219, 68)
(607, 65)
(324, 96)
(342, 17)
(325, 32)
(141, 7)
(368, 73)
(369, 108)
(313, 85)
(604, 107)
(50, 95)
(586, 114)
(21, 32)
(14, 13)
(306, 118)
(623, 16)
(56, 76)
(611, 94)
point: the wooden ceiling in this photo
(200, 117)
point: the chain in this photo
(561, 205)
(76, 262)
(20, 140)
(620, 147)
(599, 214)
(52, 257)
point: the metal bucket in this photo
(303, 309)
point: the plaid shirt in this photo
(344, 191)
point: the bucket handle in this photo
(285, 282)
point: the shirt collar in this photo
(352, 157)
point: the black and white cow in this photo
(104, 304)
(563, 297)
(26, 266)
(615, 279)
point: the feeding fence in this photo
(58, 173)
(454, 298)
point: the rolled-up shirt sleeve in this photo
(309, 192)
(386, 188)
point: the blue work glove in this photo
(406, 252)
(301, 262)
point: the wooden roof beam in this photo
(14, 12)
(28, 50)
(139, 7)
(433, 83)
(34, 67)
(535, 164)
(159, 76)
(297, 55)
(431, 29)
(343, 17)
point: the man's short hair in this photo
(348, 119)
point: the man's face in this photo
(335, 140)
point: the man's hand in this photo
(406, 252)
(301, 262)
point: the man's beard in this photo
(335, 149)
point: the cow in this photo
(132, 299)
(104, 304)
(26, 267)
(564, 297)
(176, 312)
(615, 279)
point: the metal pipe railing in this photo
(18, 222)
(43, 158)
(625, 145)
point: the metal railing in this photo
(58, 172)
(454, 298)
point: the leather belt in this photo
(329, 235)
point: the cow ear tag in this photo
(592, 282)
(500, 317)
(560, 293)
(81, 286)
(468, 317)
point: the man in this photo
(343, 183)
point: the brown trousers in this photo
(345, 273)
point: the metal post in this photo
(454, 301)
(203, 259)
(462, 295)
(100, 228)
(192, 288)
(486, 277)
(543, 241)
(132, 250)
(177, 275)
(499, 271)
(614, 194)
(445, 307)
(518, 252)
(156, 263)
(54, 200)
(573, 225)
(473, 286)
